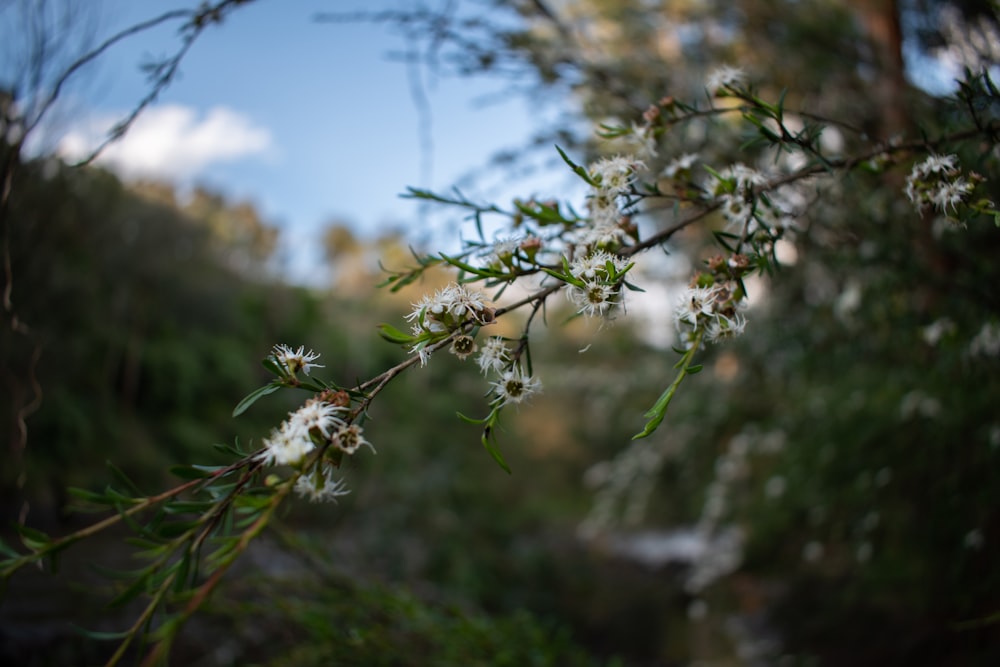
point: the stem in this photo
(659, 410)
(158, 652)
(94, 528)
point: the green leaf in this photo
(659, 410)
(273, 367)
(33, 539)
(459, 264)
(176, 528)
(470, 420)
(131, 592)
(104, 636)
(632, 287)
(394, 335)
(187, 506)
(124, 479)
(89, 496)
(229, 449)
(577, 169)
(494, 452)
(566, 278)
(252, 397)
(8, 551)
(188, 472)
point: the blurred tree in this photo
(852, 438)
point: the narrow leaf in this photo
(577, 169)
(394, 335)
(252, 397)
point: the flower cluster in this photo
(314, 422)
(708, 312)
(747, 205)
(448, 309)
(938, 182)
(512, 385)
(321, 422)
(735, 187)
(507, 254)
(611, 178)
(598, 277)
(615, 175)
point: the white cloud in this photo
(171, 141)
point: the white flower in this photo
(287, 445)
(319, 485)
(294, 361)
(695, 304)
(494, 356)
(317, 414)
(986, 343)
(950, 194)
(644, 138)
(937, 330)
(422, 351)
(614, 176)
(595, 265)
(745, 178)
(601, 234)
(501, 253)
(513, 387)
(448, 309)
(709, 310)
(937, 182)
(722, 327)
(349, 438)
(738, 212)
(594, 298)
(724, 77)
(946, 165)
(463, 346)
(680, 165)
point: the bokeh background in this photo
(826, 492)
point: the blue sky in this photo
(310, 121)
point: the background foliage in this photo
(852, 435)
